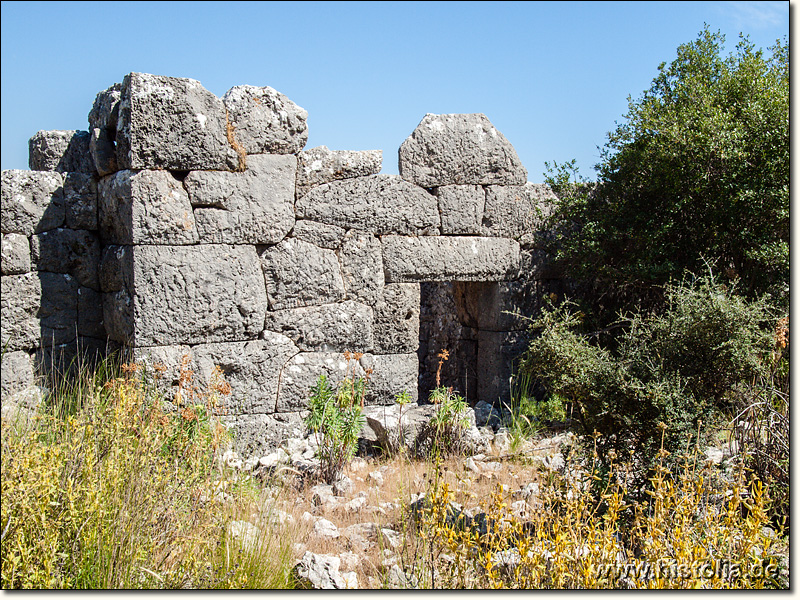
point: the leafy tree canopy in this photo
(698, 172)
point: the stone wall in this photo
(186, 225)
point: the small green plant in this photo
(336, 418)
(450, 419)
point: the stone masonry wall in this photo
(186, 225)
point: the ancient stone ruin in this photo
(182, 224)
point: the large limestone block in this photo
(20, 299)
(73, 251)
(251, 368)
(397, 319)
(265, 120)
(319, 234)
(389, 375)
(172, 123)
(378, 203)
(254, 207)
(103, 129)
(15, 250)
(259, 434)
(362, 266)
(512, 211)
(58, 313)
(185, 295)
(31, 201)
(408, 259)
(328, 328)
(80, 201)
(302, 372)
(16, 373)
(459, 150)
(462, 208)
(145, 207)
(300, 274)
(320, 165)
(62, 151)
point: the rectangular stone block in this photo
(254, 207)
(389, 375)
(328, 328)
(145, 207)
(462, 208)
(80, 201)
(397, 319)
(362, 266)
(251, 368)
(408, 259)
(380, 204)
(15, 250)
(20, 299)
(58, 313)
(300, 274)
(320, 165)
(514, 210)
(172, 123)
(31, 201)
(319, 234)
(76, 252)
(187, 295)
(62, 151)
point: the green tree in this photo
(698, 171)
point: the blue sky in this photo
(552, 76)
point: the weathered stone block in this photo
(327, 328)
(164, 367)
(15, 250)
(187, 295)
(31, 201)
(266, 121)
(459, 150)
(462, 208)
(319, 234)
(259, 434)
(172, 123)
(407, 259)
(251, 368)
(80, 201)
(20, 299)
(145, 207)
(90, 313)
(62, 151)
(391, 374)
(512, 211)
(73, 251)
(397, 319)
(378, 203)
(103, 129)
(300, 274)
(362, 266)
(301, 374)
(16, 373)
(320, 165)
(254, 207)
(58, 312)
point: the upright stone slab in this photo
(408, 259)
(172, 123)
(397, 319)
(362, 266)
(320, 165)
(462, 209)
(254, 207)
(62, 151)
(31, 201)
(266, 121)
(20, 299)
(184, 295)
(145, 207)
(381, 204)
(459, 150)
(16, 254)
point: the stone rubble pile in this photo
(182, 224)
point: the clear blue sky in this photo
(552, 76)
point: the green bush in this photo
(676, 368)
